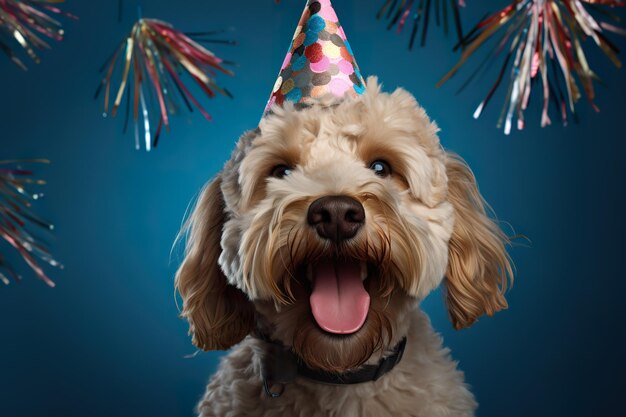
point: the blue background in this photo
(107, 341)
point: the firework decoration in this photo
(27, 23)
(541, 40)
(17, 219)
(400, 12)
(151, 63)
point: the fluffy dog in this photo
(322, 233)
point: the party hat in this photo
(319, 61)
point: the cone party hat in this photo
(319, 61)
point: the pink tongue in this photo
(339, 301)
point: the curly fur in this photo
(248, 245)
(425, 383)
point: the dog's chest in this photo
(384, 398)
(426, 383)
(366, 400)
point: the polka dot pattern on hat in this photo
(319, 61)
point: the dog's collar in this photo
(280, 367)
(365, 373)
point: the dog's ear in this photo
(479, 267)
(219, 314)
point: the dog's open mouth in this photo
(339, 300)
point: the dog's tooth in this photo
(363, 271)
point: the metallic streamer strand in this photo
(550, 50)
(153, 58)
(27, 23)
(397, 13)
(18, 222)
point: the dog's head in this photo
(329, 223)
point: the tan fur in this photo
(479, 267)
(425, 383)
(249, 245)
(219, 314)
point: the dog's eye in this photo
(381, 168)
(280, 171)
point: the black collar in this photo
(365, 373)
(281, 366)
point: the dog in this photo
(309, 254)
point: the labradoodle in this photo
(309, 253)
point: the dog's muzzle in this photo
(339, 302)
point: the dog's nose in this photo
(336, 217)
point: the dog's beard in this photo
(293, 249)
(295, 326)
